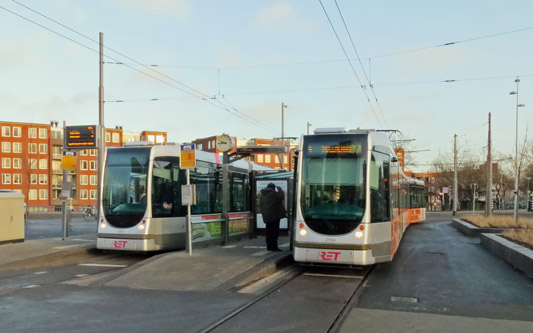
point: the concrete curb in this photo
(518, 256)
(259, 271)
(471, 230)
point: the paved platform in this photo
(207, 269)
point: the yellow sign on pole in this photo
(68, 162)
(187, 156)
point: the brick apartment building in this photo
(30, 156)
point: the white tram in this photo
(353, 201)
(141, 209)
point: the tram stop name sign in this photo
(68, 161)
(187, 156)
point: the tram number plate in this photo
(120, 244)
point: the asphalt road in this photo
(439, 270)
(52, 228)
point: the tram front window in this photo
(124, 195)
(333, 198)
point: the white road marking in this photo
(103, 265)
(81, 275)
(66, 246)
(31, 286)
(40, 273)
(404, 299)
(260, 254)
(254, 247)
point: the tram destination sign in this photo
(81, 137)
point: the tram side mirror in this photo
(394, 159)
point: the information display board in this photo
(81, 137)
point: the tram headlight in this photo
(303, 232)
(358, 234)
(102, 225)
(141, 227)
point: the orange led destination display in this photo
(335, 149)
(81, 136)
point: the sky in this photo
(429, 69)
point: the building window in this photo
(43, 194)
(56, 166)
(84, 194)
(6, 163)
(33, 179)
(93, 179)
(17, 178)
(17, 163)
(6, 147)
(17, 132)
(84, 152)
(93, 194)
(43, 179)
(6, 178)
(17, 147)
(93, 152)
(259, 158)
(6, 131)
(32, 148)
(43, 164)
(267, 158)
(83, 165)
(56, 152)
(32, 194)
(107, 137)
(32, 133)
(84, 180)
(285, 160)
(116, 137)
(93, 165)
(43, 148)
(160, 139)
(200, 146)
(43, 133)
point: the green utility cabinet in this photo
(11, 217)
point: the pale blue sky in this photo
(254, 55)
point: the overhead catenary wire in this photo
(193, 92)
(349, 61)
(361, 64)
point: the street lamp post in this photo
(515, 214)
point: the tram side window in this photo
(379, 187)
(208, 190)
(166, 188)
(239, 193)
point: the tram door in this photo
(262, 184)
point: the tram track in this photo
(311, 299)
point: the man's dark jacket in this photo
(271, 204)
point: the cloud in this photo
(167, 7)
(281, 16)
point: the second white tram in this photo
(141, 209)
(353, 202)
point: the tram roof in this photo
(172, 149)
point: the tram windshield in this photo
(124, 194)
(333, 182)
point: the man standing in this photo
(272, 208)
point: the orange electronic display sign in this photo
(81, 137)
